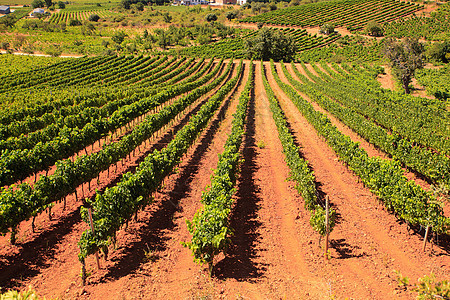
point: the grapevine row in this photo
(210, 226)
(22, 203)
(432, 165)
(384, 177)
(117, 205)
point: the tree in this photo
(139, 6)
(48, 3)
(211, 18)
(246, 5)
(272, 6)
(118, 37)
(231, 15)
(163, 38)
(126, 4)
(61, 5)
(37, 3)
(374, 29)
(405, 58)
(326, 29)
(269, 44)
(94, 18)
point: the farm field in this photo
(280, 150)
(274, 251)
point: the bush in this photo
(118, 37)
(374, 29)
(211, 17)
(94, 18)
(439, 52)
(326, 29)
(61, 5)
(231, 15)
(74, 22)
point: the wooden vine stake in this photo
(91, 223)
(427, 230)
(327, 224)
(83, 272)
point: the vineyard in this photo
(107, 157)
(352, 14)
(65, 17)
(433, 28)
(166, 162)
(234, 47)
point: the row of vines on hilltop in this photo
(235, 47)
(352, 14)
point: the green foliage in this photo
(405, 58)
(231, 15)
(211, 18)
(436, 81)
(402, 281)
(118, 37)
(70, 174)
(374, 29)
(384, 177)
(317, 220)
(270, 44)
(300, 171)
(88, 28)
(326, 29)
(30, 294)
(210, 226)
(347, 97)
(37, 3)
(74, 22)
(431, 28)
(8, 20)
(167, 17)
(116, 205)
(94, 18)
(429, 289)
(333, 12)
(439, 52)
(61, 5)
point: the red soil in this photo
(275, 253)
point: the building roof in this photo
(39, 10)
(4, 7)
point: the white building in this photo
(37, 11)
(4, 10)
